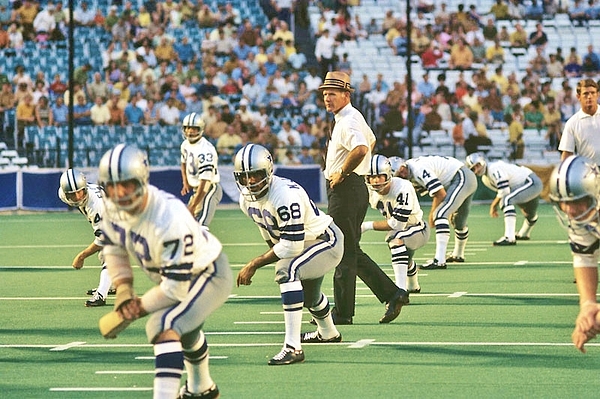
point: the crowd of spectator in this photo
(250, 82)
(471, 45)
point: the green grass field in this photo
(497, 326)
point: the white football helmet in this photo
(194, 121)
(253, 162)
(73, 181)
(477, 158)
(395, 163)
(575, 178)
(120, 164)
(379, 165)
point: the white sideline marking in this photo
(521, 263)
(245, 333)
(100, 389)
(516, 294)
(361, 343)
(264, 322)
(457, 294)
(236, 265)
(347, 343)
(482, 343)
(67, 346)
(126, 372)
(154, 357)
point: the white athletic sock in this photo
(104, 283)
(441, 244)
(460, 242)
(510, 225)
(196, 365)
(526, 228)
(292, 298)
(168, 369)
(400, 264)
(325, 325)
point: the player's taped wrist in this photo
(124, 294)
(112, 324)
(366, 226)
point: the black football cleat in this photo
(211, 393)
(287, 356)
(97, 300)
(504, 242)
(314, 337)
(432, 265)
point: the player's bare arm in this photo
(245, 275)
(86, 253)
(438, 197)
(565, 154)
(186, 186)
(198, 196)
(494, 207)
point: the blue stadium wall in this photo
(36, 189)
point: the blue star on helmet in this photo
(270, 158)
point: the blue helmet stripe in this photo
(114, 164)
(71, 180)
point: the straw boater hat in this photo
(337, 80)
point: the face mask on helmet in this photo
(380, 173)
(192, 127)
(74, 185)
(575, 186)
(253, 168)
(475, 159)
(124, 173)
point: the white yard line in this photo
(101, 389)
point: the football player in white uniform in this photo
(304, 243)
(515, 185)
(398, 202)
(192, 275)
(75, 191)
(199, 172)
(575, 187)
(451, 185)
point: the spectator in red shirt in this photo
(430, 56)
(57, 87)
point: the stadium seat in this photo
(20, 161)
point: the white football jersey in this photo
(286, 216)
(400, 206)
(502, 176)
(93, 210)
(200, 161)
(432, 172)
(166, 240)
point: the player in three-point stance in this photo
(191, 273)
(304, 243)
(75, 191)
(575, 189)
(397, 201)
(515, 185)
(451, 185)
